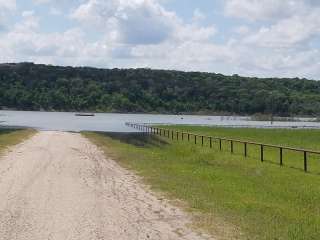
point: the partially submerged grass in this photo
(262, 201)
(9, 137)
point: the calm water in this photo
(116, 122)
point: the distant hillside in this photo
(27, 86)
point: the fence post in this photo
(145, 129)
(245, 150)
(231, 146)
(305, 161)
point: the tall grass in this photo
(238, 197)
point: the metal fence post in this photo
(281, 159)
(261, 153)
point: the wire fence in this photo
(229, 144)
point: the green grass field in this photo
(231, 196)
(9, 137)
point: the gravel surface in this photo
(59, 186)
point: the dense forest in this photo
(28, 86)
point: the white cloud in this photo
(139, 22)
(143, 33)
(132, 22)
(287, 32)
(55, 11)
(27, 13)
(8, 5)
(198, 15)
(6, 8)
(279, 41)
(264, 9)
(25, 42)
(284, 63)
(41, 1)
(55, 2)
(242, 30)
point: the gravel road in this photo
(59, 186)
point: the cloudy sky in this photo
(247, 37)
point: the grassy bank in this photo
(233, 194)
(10, 137)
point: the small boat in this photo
(85, 114)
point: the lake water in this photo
(63, 121)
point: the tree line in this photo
(28, 86)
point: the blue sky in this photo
(262, 38)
